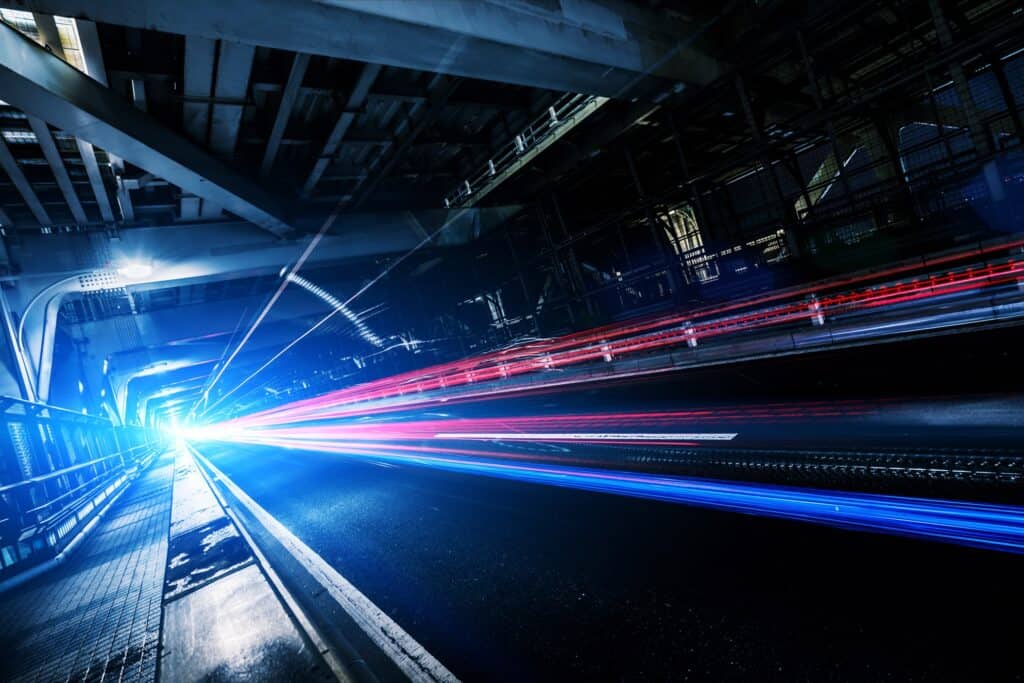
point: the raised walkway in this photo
(165, 587)
(97, 616)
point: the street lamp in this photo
(135, 270)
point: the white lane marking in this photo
(587, 436)
(411, 657)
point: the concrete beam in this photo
(92, 54)
(43, 85)
(234, 64)
(48, 33)
(598, 47)
(89, 38)
(421, 116)
(284, 111)
(60, 173)
(352, 105)
(92, 170)
(139, 94)
(14, 172)
(47, 27)
(124, 196)
(199, 53)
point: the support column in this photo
(787, 217)
(980, 137)
(1011, 102)
(657, 231)
(556, 266)
(933, 106)
(888, 139)
(577, 284)
(695, 198)
(522, 281)
(819, 104)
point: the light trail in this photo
(336, 309)
(286, 271)
(332, 301)
(666, 421)
(980, 525)
(363, 421)
(585, 436)
(583, 428)
(413, 389)
(505, 363)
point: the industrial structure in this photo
(281, 280)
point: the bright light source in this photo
(81, 387)
(134, 270)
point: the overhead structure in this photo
(45, 86)
(599, 47)
(658, 149)
(199, 256)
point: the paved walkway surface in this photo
(97, 618)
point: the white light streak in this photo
(589, 436)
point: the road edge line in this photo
(407, 654)
(337, 667)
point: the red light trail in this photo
(414, 389)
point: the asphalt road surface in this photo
(502, 580)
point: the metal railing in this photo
(58, 469)
(561, 117)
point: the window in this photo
(685, 233)
(688, 243)
(19, 137)
(67, 32)
(23, 21)
(67, 28)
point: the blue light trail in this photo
(980, 525)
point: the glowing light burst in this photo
(365, 421)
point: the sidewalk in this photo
(97, 617)
(164, 587)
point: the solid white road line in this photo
(414, 661)
(587, 436)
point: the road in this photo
(502, 580)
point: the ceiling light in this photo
(134, 270)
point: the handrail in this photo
(67, 470)
(91, 488)
(89, 482)
(70, 464)
(6, 401)
(72, 509)
(556, 121)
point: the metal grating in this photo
(97, 618)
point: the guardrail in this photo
(942, 299)
(58, 469)
(561, 117)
